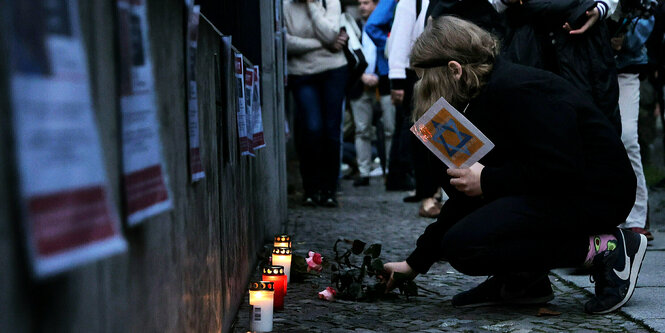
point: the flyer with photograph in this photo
(450, 136)
(258, 140)
(195, 163)
(69, 218)
(249, 107)
(241, 104)
(144, 175)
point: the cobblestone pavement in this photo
(375, 216)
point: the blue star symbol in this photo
(452, 127)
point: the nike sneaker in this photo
(515, 289)
(615, 272)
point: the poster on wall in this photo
(195, 163)
(69, 217)
(258, 140)
(241, 105)
(144, 175)
(249, 107)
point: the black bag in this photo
(356, 62)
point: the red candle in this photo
(276, 275)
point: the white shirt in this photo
(405, 30)
(369, 50)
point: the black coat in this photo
(551, 142)
(535, 38)
(480, 12)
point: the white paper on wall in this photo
(144, 175)
(249, 108)
(69, 218)
(195, 164)
(241, 104)
(258, 140)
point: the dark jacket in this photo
(480, 12)
(535, 38)
(551, 142)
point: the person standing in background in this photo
(317, 77)
(409, 23)
(632, 62)
(569, 38)
(375, 77)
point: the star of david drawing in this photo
(452, 127)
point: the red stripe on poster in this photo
(70, 219)
(145, 188)
(195, 160)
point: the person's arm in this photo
(369, 50)
(602, 10)
(299, 45)
(636, 37)
(326, 21)
(428, 246)
(606, 7)
(378, 23)
(400, 34)
(457, 206)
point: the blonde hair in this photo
(448, 39)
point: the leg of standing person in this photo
(399, 166)
(387, 115)
(629, 106)
(388, 119)
(331, 85)
(646, 124)
(401, 163)
(362, 117)
(425, 187)
(308, 133)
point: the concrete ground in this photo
(373, 215)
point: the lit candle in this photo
(276, 275)
(282, 241)
(281, 256)
(261, 299)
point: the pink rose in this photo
(314, 262)
(328, 294)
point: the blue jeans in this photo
(318, 120)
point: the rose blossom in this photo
(328, 294)
(314, 262)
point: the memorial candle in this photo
(261, 296)
(282, 241)
(276, 275)
(281, 256)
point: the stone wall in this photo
(186, 270)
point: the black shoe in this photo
(506, 290)
(328, 199)
(615, 272)
(361, 181)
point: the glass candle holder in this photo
(261, 295)
(276, 275)
(282, 241)
(281, 256)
